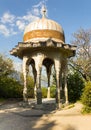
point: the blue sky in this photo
(16, 14)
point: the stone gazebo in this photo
(44, 44)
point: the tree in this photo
(10, 88)
(53, 91)
(82, 61)
(86, 97)
(30, 85)
(44, 92)
(75, 86)
(6, 66)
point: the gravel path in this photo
(13, 117)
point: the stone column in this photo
(35, 75)
(48, 77)
(25, 97)
(38, 65)
(58, 81)
(65, 84)
(61, 87)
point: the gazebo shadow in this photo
(34, 118)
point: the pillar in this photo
(58, 80)
(65, 84)
(48, 77)
(38, 65)
(35, 75)
(25, 96)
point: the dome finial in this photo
(43, 11)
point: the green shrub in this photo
(86, 109)
(53, 91)
(86, 97)
(10, 88)
(75, 86)
(44, 92)
(30, 87)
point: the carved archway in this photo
(47, 62)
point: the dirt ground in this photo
(14, 117)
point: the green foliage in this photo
(86, 97)
(75, 86)
(2, 100)
(10, 80)
(70, 106)
(44, 92)
(86, 109)
(53, 91)
(10, 88)
(6, 66)
(30, 87)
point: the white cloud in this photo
(39, 4)
(36, 11)
(7, 18)
(29, 17)
(4, 30)
(20, 25)
(21, 22)
(12, 32)
(11, 24)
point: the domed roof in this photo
(43, 28)
(44, 24)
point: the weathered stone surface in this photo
(44, 44)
